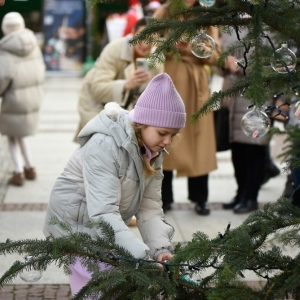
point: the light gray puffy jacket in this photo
(104, 178)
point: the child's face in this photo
(157, 138)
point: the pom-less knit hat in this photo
(160, 105)
(12, 21)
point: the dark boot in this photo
(245, 206)
(17, 179)
(232, 203)
(30, 173)
(201, 209)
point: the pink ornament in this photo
(255, 134)
(297, 112)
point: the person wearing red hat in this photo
(134, 13)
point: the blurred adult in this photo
(152, 7)
(2, 2)
(21, 88)
(115, 77)
(134, 13)
(195, 155)
(248, 154)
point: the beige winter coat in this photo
(105, 82)
(195, 154)
(22, 72)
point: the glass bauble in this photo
(207, 2)
(31, 275)
(203, 45)
(297, 110)
(284, 58)
(255, 123)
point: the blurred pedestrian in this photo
(248, 154)
(115, 77)
(195, 155)
(134, 13)
(116, 173)
(21, 88)
(152, 7)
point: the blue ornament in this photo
(207, 2)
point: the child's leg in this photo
(15, 154)
(80, 276)
(25, 149)
(29, 170)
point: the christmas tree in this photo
(204, 268)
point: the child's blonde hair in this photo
(148, 169)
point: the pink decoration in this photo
(255, 134)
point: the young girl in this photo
(117, 173)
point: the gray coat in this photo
(237, 104)
(104, 178)
(22, 74)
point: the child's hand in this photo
(164, 257)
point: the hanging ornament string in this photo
(270, 108)
(247, 48)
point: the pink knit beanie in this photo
(160, 105)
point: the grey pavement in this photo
(22, 211)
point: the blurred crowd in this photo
(121, 74)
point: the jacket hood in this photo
(21, 42)
(112, 121)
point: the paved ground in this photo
(22, 210)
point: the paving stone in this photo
(6, 296)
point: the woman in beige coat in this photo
(194, 156)
(115, 77)
(22, 74)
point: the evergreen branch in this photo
(217, 97)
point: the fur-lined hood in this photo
(112, 121)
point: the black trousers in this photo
(249, 162)
(197, 188)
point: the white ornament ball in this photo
(203, 45)
(284, 58)
(31, 275)
(255, 123)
